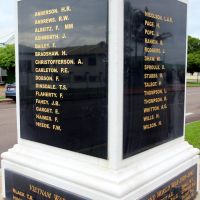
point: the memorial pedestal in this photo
(87, 179)
(101, 102)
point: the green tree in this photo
(194, 62)
(193, 55)
(7, 61)
(193, 44)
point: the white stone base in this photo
(137, 177)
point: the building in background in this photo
(195, 77)
(3, 74)
(7, 40)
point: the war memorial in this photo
(101, 102)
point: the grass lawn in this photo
(193, 84)
(1, 98)
(192, 134)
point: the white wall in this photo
(193, 77)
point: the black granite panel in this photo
(63, 66)
(154, 73)
(182, 187)
(20, 187)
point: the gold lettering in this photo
(57, 128)
(151, 67)
(153, 92)
(151, 109)
(149, 126)
(46, 70)
(43, 117)
(149, 32)
(55, 62)
(42, 46)
(152, 50)
(47, 37)
(151, 41)
(38, 190)
(65, 9)
(153, 15)
(63, 18)
(46, 53)
(45, 21)
(42, 102)
(150, 84)
(149, 118)
(154, 100)
(43, 78)
(45, 86)
(64, 70)
(44, 110)
(42, 125)
(46, 12)
(149, 23)
(17, 192)
(69, 26)
(44, 29)
(45, 94)
(147, 76)
(152, 58)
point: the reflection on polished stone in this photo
(154, 73)
(63, 59)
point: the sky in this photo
(7, 18)
(194, 18)
(7, 22)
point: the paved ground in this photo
(8, 135)
(0, 186)
(193, 104)
(8, 118)
(8, 132)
